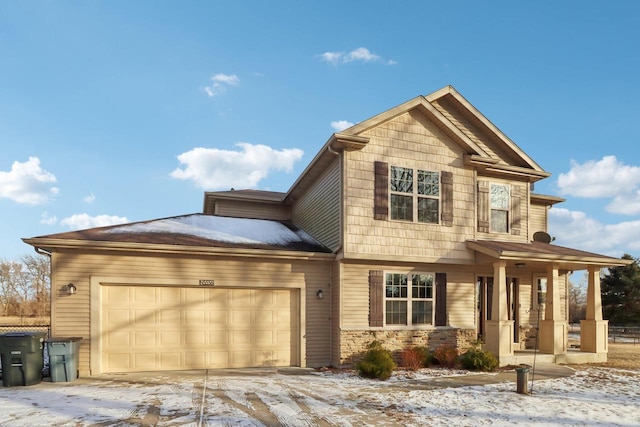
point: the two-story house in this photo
(418, 226)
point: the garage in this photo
(147, 328)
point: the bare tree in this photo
(25, 286)
(577, 302)
(10, 272)
(39, 275)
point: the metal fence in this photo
(624, 334)
(29, 328)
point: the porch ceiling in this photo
(539, 252)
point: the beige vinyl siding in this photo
(243, 209)
(318, 211)
(461, 299)
(71, 313)
(336, 310)
(538, 219)
(412, 141)
(355, 293)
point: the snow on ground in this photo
(594, 396)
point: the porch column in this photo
(499, 338)
(553, 329)
(594, 331)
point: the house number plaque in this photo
(207, 282)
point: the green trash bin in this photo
(21, 357)
(63, 358)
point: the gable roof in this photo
(453, 115)
(189, 231)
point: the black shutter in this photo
(381, 195)
(483, 207)
(376, 298)
(516, 210)
(441, 299)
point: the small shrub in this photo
(476, 359)
(446, 356)
(411, 359)
(377, 363)
(425, 355)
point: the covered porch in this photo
(546, 269)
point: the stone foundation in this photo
(354, 344)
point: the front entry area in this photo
(147, 328)
(484, 302)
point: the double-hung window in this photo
(409, 299)
(415, 194)
(499, 200)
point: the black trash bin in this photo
(63, 358)
(21, 356)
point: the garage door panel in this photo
(155, 328)
(143, 294)
(169, 316)
(167, 338)
(145, 339)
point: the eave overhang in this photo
(544, 199)
(56, 245)
(538, 252)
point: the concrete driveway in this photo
(254, 397)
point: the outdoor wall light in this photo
(520, 264)
(71, 289)
(319, 294)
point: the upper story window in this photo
(499, 200)
(409, 299)
(408, 194)
(414, 194)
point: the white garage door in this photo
(168, 328)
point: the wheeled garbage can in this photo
(21, 356)
(63, 358)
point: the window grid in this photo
(409, 299)
(420, 201)
(499, 201)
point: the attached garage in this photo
(171, 328)
(191, 292)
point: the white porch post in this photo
(594, 331)
(553, 329)
(499, 328)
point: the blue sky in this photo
(120, 111)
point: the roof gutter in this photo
(39, 243)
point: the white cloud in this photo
(47, 219)
(361, 54)
(212, 168)
(576, 229)
(27, 183)
(82, 221)
(341, 125)
(605, 178)
(89, 199)
(602, 178)
(220, 84)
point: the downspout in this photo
(332, 288)
(45, 252)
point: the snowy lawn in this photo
(594, 396)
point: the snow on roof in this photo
(223, 229)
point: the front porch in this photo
(512, 262)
